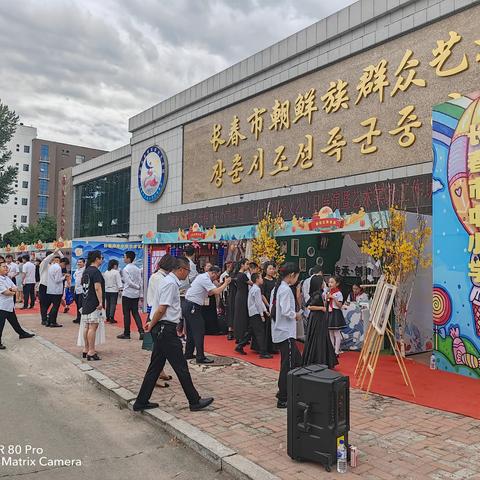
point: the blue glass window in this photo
(42, 204)
(43, 187)
(102, 206)
(43, 170)
(44, 152)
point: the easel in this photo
(380, 309)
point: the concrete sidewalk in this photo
(395, 439)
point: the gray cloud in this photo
(77, 70)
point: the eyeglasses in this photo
(186, 269)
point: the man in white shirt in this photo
(28, 282)
(77, 278)
(13, 272)
(42, 287)
(7, 306)
(196, 296)
(256, 320)
(55, 279)
(132, 289)
(165, 325)
(189, 252)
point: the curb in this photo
(221, 456)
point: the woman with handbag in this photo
(92, 323)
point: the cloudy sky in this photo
(78, 69)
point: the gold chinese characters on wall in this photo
(367, 113)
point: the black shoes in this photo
(138, 408)
(76, 321)
(202, 403)
(44, 324)
(205, 361)
(142, 335)
(281, 404)
(93, 357)
(230, 336)
(122, 336)
(240, 350)
(266, 355)
(54, 325)
(84, 354)
(26, 335)
(2, 347)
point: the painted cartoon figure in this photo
(459, 178)
(462, 357)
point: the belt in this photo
(168, 323)
(193, 303)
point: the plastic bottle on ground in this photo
(341, 458)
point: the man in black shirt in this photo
(93, 302)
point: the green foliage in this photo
(45, 230)
(8, 174)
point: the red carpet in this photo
(433, 388)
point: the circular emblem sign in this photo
(152, 174)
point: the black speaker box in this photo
(318, 414)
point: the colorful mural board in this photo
(109, 250)
(456, 235)
(324, 221)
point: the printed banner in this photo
(109, 250)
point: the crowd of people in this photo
(252, 305)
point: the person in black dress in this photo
(240, 319)
(318, 346)
(230, 303)
(269, 280)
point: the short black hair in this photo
(189, 250)
(316, 270)
(130, 255)
(81, 258)
(8, 256)
(65, 260)
(253, 265)
(180, 262)
(27, 257)
(112, 263)
(93, 255)
(215, 269)
(167, 262)
(255, 277)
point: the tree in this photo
(265, 247)
(8, 174)
(45, 230)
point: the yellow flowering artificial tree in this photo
(401, 252)
(264, 246)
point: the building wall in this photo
(14, 212)
(358, 28)
(65, 204)
(45, 185)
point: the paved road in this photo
(47, 404)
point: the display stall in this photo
(38, 249)
(307, 241)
